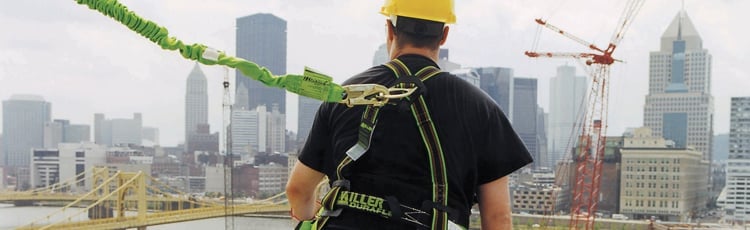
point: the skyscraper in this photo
(469, 75)
(54, 133)
(307, 109)
(541, 134)
(77, 133)
(118, 131)
(276, 130)
(565, 103)
(24, 117)
(245, 129)
(381, 55)
(734, 197)
(498, 83)
(525, 114)
(679, 105)
(151, 134)
(61, 131)
(444, 61)
(196, 102)
(261, 38)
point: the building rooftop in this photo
(26, 97)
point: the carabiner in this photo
(373, 94)
(365, 94)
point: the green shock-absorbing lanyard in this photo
(310, 84)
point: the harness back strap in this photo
(429, 136)
(432, 144)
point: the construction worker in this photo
(387, 166)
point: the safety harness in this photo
(435, 211)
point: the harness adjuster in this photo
(331, 213)
(345, 184)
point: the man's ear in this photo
(389, 28)
(445, 35)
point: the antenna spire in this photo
(683, 5)
(679, 27)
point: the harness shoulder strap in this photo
(432, 144)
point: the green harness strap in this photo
(434, 150)
(311, 84)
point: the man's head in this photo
(417, 24)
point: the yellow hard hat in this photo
(433, 10)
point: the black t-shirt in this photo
(478, 141)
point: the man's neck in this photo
(431, 54)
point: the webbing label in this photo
(363, 202)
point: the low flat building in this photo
(271, 179)
(68, 161)
(661, 181)
(537, 199)
(535, 192)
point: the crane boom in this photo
(569, 35)
(589, 57)
(628, 14)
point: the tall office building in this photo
(565, 103)
(381, 55)
(498, 83)
(445, 63)
(24, 117)
(679, 105)
(261, 38)
(77, 133)
(110, 132)
(735, 196)
(2, 155)
(61, 131)
(151, 134)
(541, 134)
(245, 130)
(196, 102)
(469, 75)
(203, 140)
(308, 108)
(53, 133)
(276, 130)
(525, 114)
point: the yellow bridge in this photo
(123, 200)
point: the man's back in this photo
(474, 134)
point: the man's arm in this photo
(300, 190)
(494, 204)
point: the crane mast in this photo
(589, 152)
(228, 160)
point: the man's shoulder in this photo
(372, 75)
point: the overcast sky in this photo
(85, 63)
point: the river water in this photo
(12, 217)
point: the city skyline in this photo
(101, 62)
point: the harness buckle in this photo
(373, 94)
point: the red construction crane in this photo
(591, 144)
